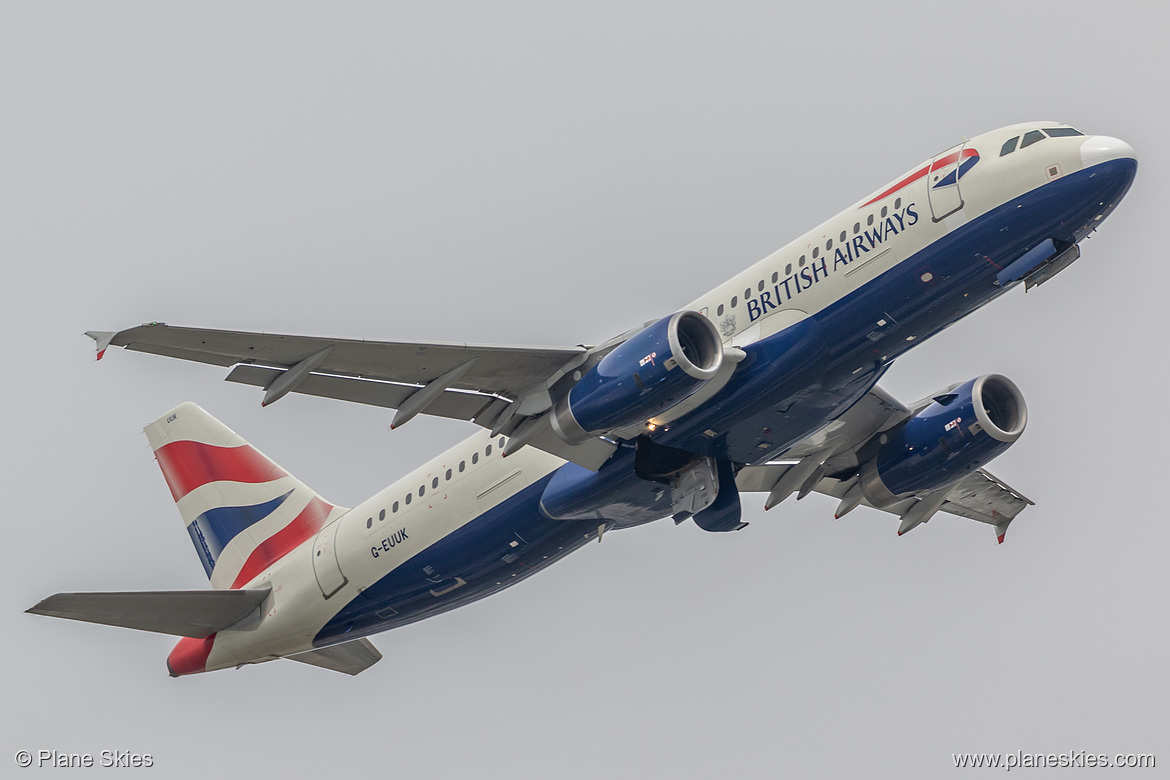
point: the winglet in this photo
(103, 339)
(1001, 529)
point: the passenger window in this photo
(462, 465)
(760, 286)
(747, 293)
(1061, 132)
(828, 244)
(816, 252)
(1031, 137)
(776, 276)
(435, 482)
(448, 474)
(802, 260)
(501, 442)
(422, 490)
(394, 507)
(884, 212)
(719, 311)
(474, 458)
(1009, 147)
(856, 228)
(409, 496)
(843, 234)
(488, 450)
(369, 522)
(897, 204)
(788, 268)
(382, 515)
(870, 220)
(734, 300)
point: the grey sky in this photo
(519, 173)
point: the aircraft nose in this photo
(1097, 149)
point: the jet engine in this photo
(959, 432)
(647, 374)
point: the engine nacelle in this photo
(647, 374)
(956, 435)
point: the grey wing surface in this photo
(979, 496)
(507, 370)
(478, 382)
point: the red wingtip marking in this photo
(1000, 537)
(836, 516)
(101, 353)
(899, 533)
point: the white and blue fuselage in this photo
(818, 322)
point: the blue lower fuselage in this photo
(790, 385)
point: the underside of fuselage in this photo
(493, 551)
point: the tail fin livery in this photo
(242, 511)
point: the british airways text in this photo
(860, 245)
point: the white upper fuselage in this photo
(993, 182)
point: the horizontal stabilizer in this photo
(193, 613)
(351, 657)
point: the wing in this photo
(980, 496)
(826, 463)
(504, 370)
(490, 385)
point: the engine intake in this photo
(954, 436)
(647, 374)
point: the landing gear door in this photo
(942, 183)
(326, 566)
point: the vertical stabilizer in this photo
(242, 511)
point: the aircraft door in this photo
(326, 566)
(942, 184)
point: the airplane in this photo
(767, 383)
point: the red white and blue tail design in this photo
(242, 511)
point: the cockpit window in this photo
(1060, 132)
(1031, 137)
(1009, 147)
